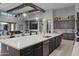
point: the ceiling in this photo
(25, 9)
(8, 6)
(45, 6)
(53, 5)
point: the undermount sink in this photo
(46, 36)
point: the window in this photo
(6, 14)
(12, 27)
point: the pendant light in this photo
(24, 14)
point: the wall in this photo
(7, 19)
(65, 12)
(77, 7)
(12, 19)
(48, 15)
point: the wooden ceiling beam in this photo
(36, 8)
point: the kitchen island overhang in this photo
(16, 45)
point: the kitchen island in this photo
(34, 45)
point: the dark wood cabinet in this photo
(64, 24)
(54, 43)
(43, 48)
(27, 51)
(35, 50)
(51, 47)
(69, 36)
(38, 49)
(58, 41)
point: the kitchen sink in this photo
(46, 36)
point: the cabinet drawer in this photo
(37, 45)
(28, 53)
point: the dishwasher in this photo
(46, 48)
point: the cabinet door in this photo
(65, 36)
(71, 36)
(38, 49)
(58, 41)
(52, 44)
(27, 51)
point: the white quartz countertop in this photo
(75, 51)
(25, 41)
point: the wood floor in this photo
(65, 49)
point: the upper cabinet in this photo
(64, 24)
(64, 18)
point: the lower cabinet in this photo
(35, 50)
(38, 49)
(27, 51)
(58, 40)
(54, 43)
(43, 48)
(69, 36)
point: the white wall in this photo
(65, 12)
(12, 19)
(8, 19)
(48, 15)
(77, 7)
